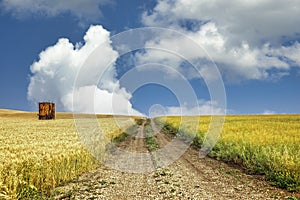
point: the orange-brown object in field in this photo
(46, 110)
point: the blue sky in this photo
(256, 52)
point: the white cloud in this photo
(236, 62)
(289, 52)
(84, 10)
(269, 112)
(244, 38)
(54, 76)
(251, 21)
(203, 108)
(91, 99)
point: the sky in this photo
(203, 57)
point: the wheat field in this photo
(262, 144)
(38, 155)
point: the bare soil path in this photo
(187, 178)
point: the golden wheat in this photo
(264, 144)
(37, 156)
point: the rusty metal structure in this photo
(46, 110)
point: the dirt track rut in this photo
(187, 178)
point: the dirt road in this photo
(187, 178)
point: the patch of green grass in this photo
(25, 191)
(148, 122)
(151, 140)
(120, 138)
(169, 129)
(279, 179)
(152, 143)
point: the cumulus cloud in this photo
(84, 10)
(236, 62)
(292, 53)
(54, 76)
(243, 38)
(251, 21)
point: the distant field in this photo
(38, 155)
(262, 144)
